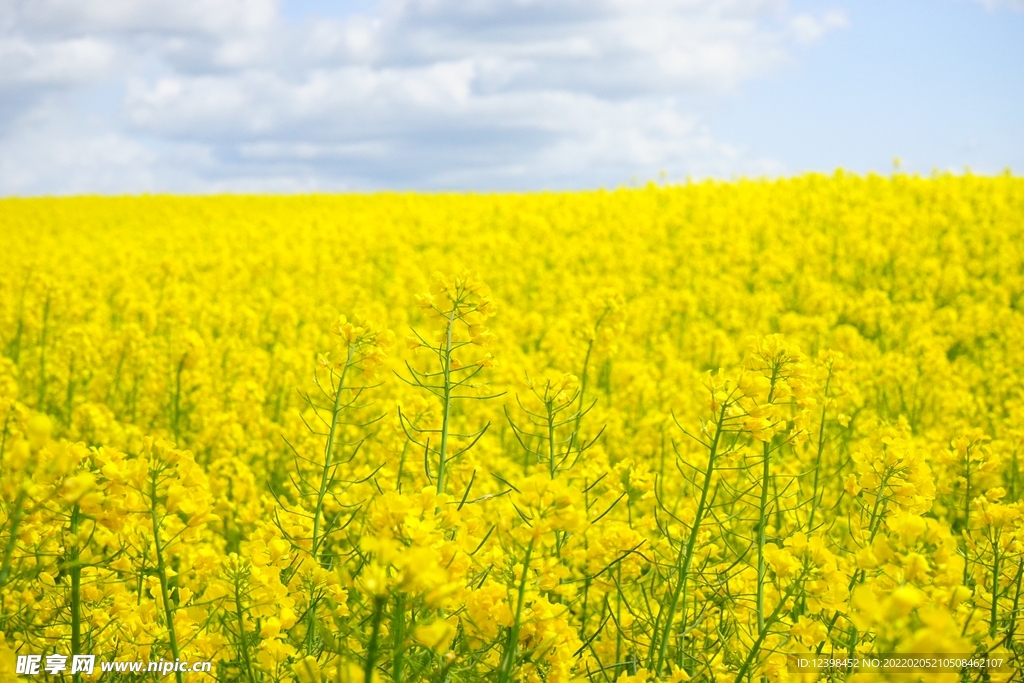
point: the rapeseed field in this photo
(671, 433)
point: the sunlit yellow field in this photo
(658, 434)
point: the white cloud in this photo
(60, 63)
(91, 160)
(212, 17)
(808, 29)
(1015, 5)
(214, 94)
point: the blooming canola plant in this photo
(651, 434)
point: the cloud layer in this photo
(211, 95)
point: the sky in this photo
(209, 96)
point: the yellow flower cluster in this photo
(681, 433)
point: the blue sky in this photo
(129, 96)
(939, 83)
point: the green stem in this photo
(513, 635)
(618, 614)
(401, 467)
(994, 612)
(15, 518)
(76, 590)
(761, 536)
(177, 401)
(242, 641)
(874, 525)
(586, 366)
(817, 461)
(398, 644)
(161, 569)
(762, 632)
(551, 441)
(3, 438)
(329, 457)
(684, 568)
(371, 650)
(446, 368)
(763, 510)
(1012, 628)
(967, 515)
